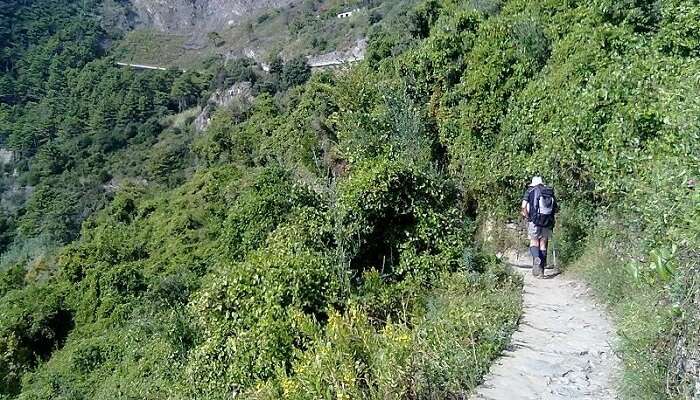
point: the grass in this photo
(642, 317)
(146, 46)
(463, 331)
(181, 120)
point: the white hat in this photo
(536, 180)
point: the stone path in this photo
(563, 348)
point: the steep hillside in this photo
(187, 34)
(160, 223)
(199, 16)
(318, 241)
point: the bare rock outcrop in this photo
(339, 57)
(5, 156)
(241, 92)
(198, 16)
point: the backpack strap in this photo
(535, 203)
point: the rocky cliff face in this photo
(241, 92)
(339, 57)
(5, 156)
(198, 16)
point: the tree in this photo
(296, 72)
(239, 70)
(276, 65)
(187, 88)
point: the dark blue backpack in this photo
(543, 206)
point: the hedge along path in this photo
(563, 348)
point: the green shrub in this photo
(258, 210)
(322, 246)
(295, 72)
(641, 323)
(12, 278)
(391, 215)
(468, 321)
(33, 324)
(461, 324)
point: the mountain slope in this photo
(187, 34)
(199, 16)
(319, 241)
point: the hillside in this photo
(186, 34)
(323, 238)
(199, 16)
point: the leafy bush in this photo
(34, 323)
(395, 219)
(295, 72)
(351, 359)
(454, 349)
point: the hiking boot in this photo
(537, 266)
(543, 267)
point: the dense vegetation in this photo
(319, 241)
(255, 259)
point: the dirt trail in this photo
(563, 348)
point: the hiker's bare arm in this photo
(523, 209)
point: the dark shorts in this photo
(537, 232)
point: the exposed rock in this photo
(338, 57)
(199, 16)
(254, 54)
(115, 184)
(117, 17)
(5, 156)
(13, 196)
(242, 91)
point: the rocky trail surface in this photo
(563, 348)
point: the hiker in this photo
(538, 207)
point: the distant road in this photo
(143, 66)
(326, 60)
(332, 63)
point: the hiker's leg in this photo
(532, 234)
(543, 250)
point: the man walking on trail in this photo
(538, 207)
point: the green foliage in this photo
(423, 17)
(678, 36)
(259, 209)
(71, 121)
(7, 231)
(188, 88)
(239, 70)
(649, 279)
(645, 349)
(295, 72)
(455, 348)
(462, 323)
(316, 243)
(642, 15)
(11, 278)
(393, 218)
(34, 323)
(32, 43)
(258, 302)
